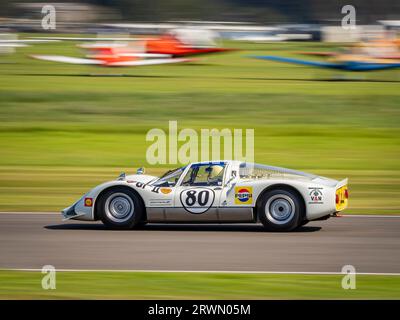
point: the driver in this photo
(215, 174)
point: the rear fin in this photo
(341, 183)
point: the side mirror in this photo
(122, 176)
(140, 171)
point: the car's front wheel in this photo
(120, 208)
(280, 210)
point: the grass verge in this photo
(159, 285)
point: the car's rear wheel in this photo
(280, 210)
(120, 208)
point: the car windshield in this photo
(169, 178)
(208, 174)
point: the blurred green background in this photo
(66, 128)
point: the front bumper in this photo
(77, 211)
(69, 213)
(82, 209)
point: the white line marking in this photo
(212, 271)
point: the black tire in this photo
(120, 208)
(142, 223)
(280, 210)
(303, 223)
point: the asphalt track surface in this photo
(370, 244)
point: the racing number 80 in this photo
(197, 200)
(202, 198)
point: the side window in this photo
(205, 175)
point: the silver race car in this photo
(213, 192)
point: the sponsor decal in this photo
(162, 190)
(197, 200)
(160, 203)
(316, 196)
(88, 202)
(154, 189)
(141, 185)
(165, 190)
(243, 195)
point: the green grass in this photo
(146, 285)
(64, 128)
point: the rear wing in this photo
(341, 183)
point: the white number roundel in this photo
(197, 200)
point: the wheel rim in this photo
(119, 207)
(280, 209)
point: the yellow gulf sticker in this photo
(243, 195)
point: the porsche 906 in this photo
(213, 192)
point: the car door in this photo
(197, 197)
(236, 200)
(160, 195)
